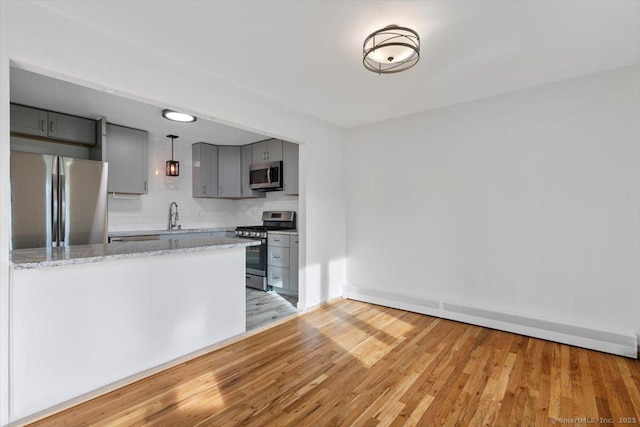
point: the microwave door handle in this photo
(269, 174)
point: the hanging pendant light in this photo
(391, 50)
(173, 167)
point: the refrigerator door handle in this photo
(54, 202)
(63, 204)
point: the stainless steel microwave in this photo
(266, 176)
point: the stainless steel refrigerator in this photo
(57, 201)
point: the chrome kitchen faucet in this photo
(173, 217)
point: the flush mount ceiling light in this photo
(173, 167)
(391, 50)
(178, 117)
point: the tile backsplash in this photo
(249, 211)
(151, 211)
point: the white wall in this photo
(527, 203)
(48, 43)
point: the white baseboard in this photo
(620, 343)
(304, 309)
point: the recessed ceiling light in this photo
(178, 117)
(391, 50)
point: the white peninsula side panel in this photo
(77, 328)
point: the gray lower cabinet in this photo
(290, 152)
(278, 277)
(282, 262)
(267, 151)
(204, 170)
(294, 265)
(127, 152)
(36, 122)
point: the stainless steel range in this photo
(257, 255)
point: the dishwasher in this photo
(142, 238)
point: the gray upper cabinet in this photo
(246, 158)
(222, 171)
(229, 168)
(28, 121)
(127, 151)
(71, 128)
(205, 170)
(267, 151)
(290, 153)
(37, 122)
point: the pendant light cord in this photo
(173, 137)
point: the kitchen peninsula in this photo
(87, 318)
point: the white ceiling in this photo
(36, 90)
(308, 54)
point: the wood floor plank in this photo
(351, 363)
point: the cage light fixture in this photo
(391, 49)
(178, 117)
(173, 167)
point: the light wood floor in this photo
(267, 307)
(351, 363)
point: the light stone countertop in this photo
(53, 257)
(159, 232)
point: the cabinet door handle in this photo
(264, 156)
(276, 277)
(44, 125)
(204, 189)
(145, 186)
(276, 256)
(220, 190)
(51, 126)
(276, 240)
